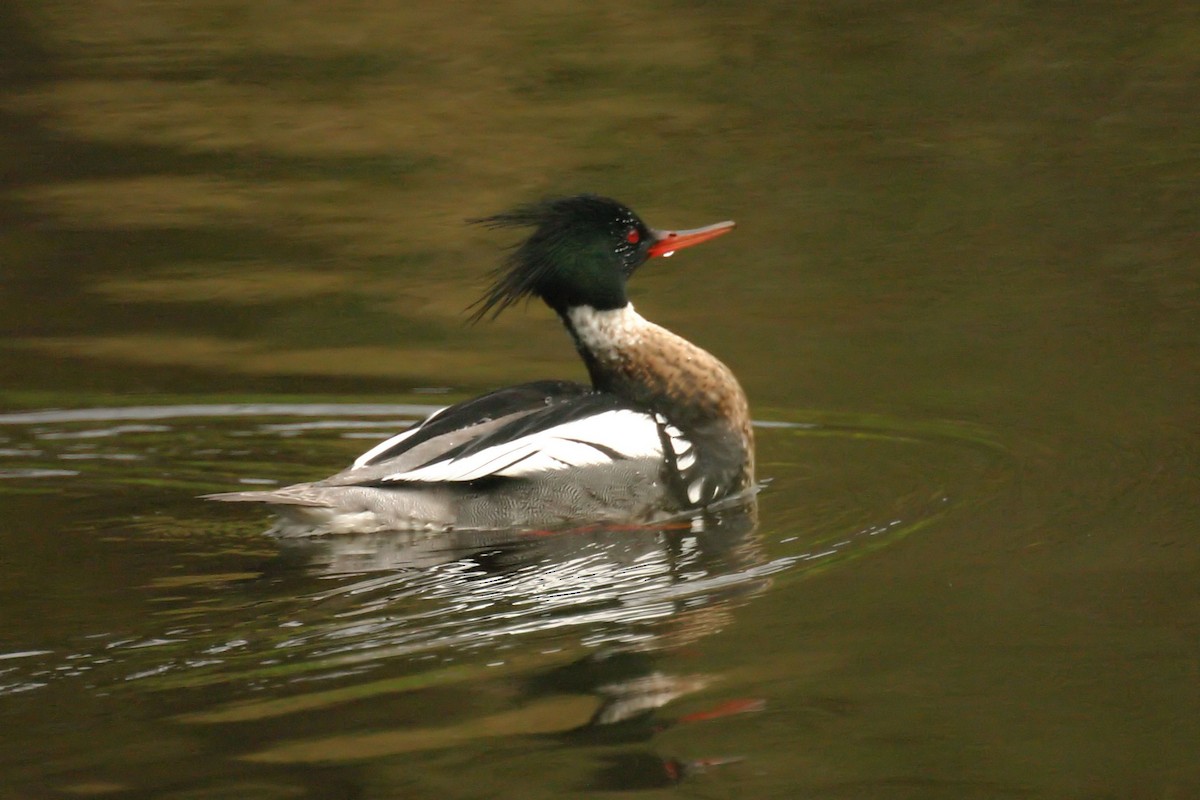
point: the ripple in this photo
(37, 473)
(216, 410)
(324, 609)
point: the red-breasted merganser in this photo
(663, 429)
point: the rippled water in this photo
(437, 593)
(963, 299)
(237, 629)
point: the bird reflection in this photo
(632, 594)
(628, 587)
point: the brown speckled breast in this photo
(636, 359)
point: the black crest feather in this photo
(529, 263)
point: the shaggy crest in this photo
(557, 224)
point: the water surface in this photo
(962, 296)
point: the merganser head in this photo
(581, 253)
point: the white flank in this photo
(632, 434)
(606, 332)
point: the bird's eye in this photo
(633, 237)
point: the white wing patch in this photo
(591, 441)
(386, 444)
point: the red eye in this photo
(633, 237)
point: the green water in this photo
(963, 298)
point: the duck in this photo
(662, 430)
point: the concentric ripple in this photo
(234, 608)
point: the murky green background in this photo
(965, 277)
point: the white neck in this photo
(605, 333)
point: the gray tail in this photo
(287, 496)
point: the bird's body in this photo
(663, 429)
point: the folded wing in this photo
(518, 432)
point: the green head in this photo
(581, 253)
